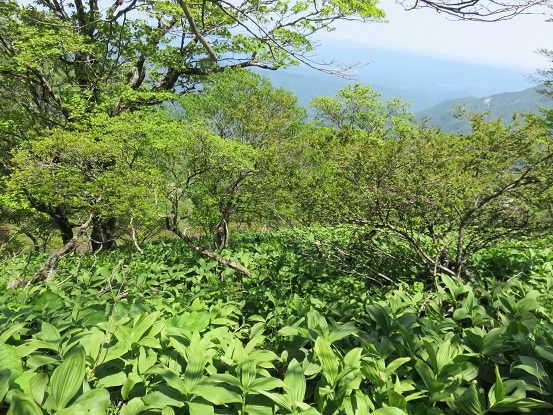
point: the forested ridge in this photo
(178, 236)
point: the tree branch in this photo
(196, 31)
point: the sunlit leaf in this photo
(68, 377)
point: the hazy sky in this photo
(512, 43)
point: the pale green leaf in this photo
(218, 395)
(95, 401)
(133, 407)
(38, 386)
(200, 408)
(294, 382)
(23, 405)
(328, 360)
(9, 359)
(388, 411)
(68, 377)
(117, 379)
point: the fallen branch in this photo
(223, 261)
(206, 252)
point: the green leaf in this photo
(353, 358)
(68, 377)
(50, 334)
(4, 383)
(225, 378)
(396, 400)
(494, 343)
(8, 333)
(218, 395)
(38, 385)
(146, 359)
(95, 401)
(247, 371)
(380, 316)
(129, 384)
(281, 400)
(545, 352)
(73, 410)
(169, 411)
(341, 331)
(497, 391)
(36, 361)
(266, 384)
(328, 360)
(396, 364)
(164, 397)
(133, 407)
(388, 411)
(427, 375)
(117, 379)
(469, 403)
(451, 286)
(141, 325)
(200, 408)
(294, 382)
(23, 405)
(9, 359)
(194, 371)
(520, 404)
(173, 380)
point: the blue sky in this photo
(512, 43)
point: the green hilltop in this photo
(503, 105)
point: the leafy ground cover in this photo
(166, 332)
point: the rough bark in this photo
(102, 237)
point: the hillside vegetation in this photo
(411, 274)
(500, 106)
(168, 332)
(178, 237)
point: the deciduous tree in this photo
(424, 197)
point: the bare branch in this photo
(477, 10)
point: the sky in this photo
(511, 44)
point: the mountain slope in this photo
(497, 106)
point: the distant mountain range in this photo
(422, 80)
(307, 85)
(431, 85)
(496, 106)
(440, 112)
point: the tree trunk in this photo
(65, 228)
(221, 235)
(58, 215)
(46, 272)
(102, 234)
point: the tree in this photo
(79, 58)
(240, 105)
(205, 179)
(422, 197)
(62, 63)
(96, 170)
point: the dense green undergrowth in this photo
(167, 332)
